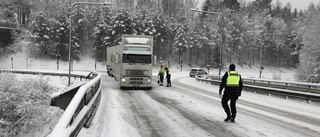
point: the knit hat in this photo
(232, 67)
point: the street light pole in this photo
(70, 33)
(260, 59)
(222, 43)
(222, 37)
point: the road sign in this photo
(208, 67)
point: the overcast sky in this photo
(299, 4)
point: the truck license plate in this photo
(136, 85)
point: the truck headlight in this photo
(149, 80)
(123, 80)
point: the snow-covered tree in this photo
(60, 40)
(262, 5)
(102, 31)
(40, 32)
(170, 8)
(122, 24)
(232, 4)
(180, 41)
(293, 41)
(310, 52)
(160, 33)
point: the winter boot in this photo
(232, 120)
(233, 117)
(227, 119)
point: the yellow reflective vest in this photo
(233, 79)
(169, 72)
(161, 72)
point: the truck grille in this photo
(136, 80)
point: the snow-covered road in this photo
(192, 109)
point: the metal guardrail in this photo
(79, 112)
(85, 77)
(82, 107)
(308, 91)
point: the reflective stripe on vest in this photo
(233, 79)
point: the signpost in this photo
(181, 61)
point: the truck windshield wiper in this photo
(130, 60)
(144, 60)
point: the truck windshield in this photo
(131, 58)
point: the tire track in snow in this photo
(272, 116)
(141, 116)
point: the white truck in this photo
(131, 62)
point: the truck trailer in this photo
(131, 62)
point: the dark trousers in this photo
(233, 99)
(161, 78)
(169, 80)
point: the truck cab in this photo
(131, 62)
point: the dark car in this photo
(197, 72)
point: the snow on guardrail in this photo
(80, 74)
(73, 119)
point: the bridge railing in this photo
(79, 112)
(308, 91)
(81, 108)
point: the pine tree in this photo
(294, 44)
(180, 41)
(160, 34)
(310, 52)
(122, 24)
(232, 4)
(171, 7)
(40, 32)
(102, 32)
(262, 5)
(61, 37)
